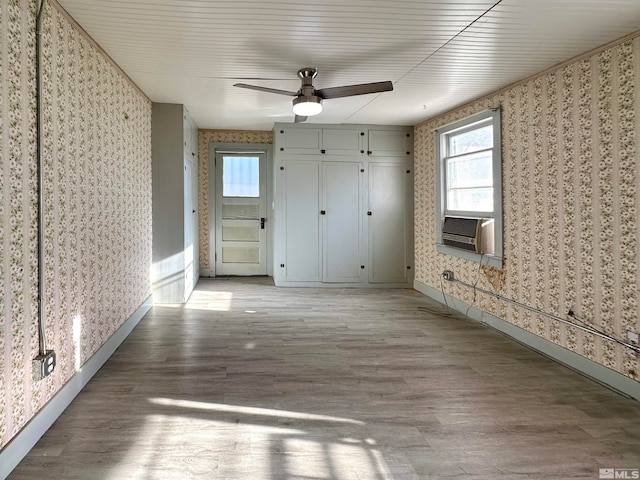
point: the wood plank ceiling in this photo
(437, 53)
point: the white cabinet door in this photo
(390, 143)
(388, 222)
(342, 187)
(301, 235)
(300, 141)
(195, 227)
(194, 141)
(190, 240)
(340, 141)
(189, 137)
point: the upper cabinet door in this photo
(300, 140)
(186, 134)
(194, 141)
(342, 142)
(190, 137)
(390, 143)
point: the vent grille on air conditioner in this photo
(462, 233)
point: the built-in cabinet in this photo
(343, 205)
(174, 145)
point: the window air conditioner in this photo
(472, 234)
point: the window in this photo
(470, 181)
(240, 177)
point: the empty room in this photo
(295, 240)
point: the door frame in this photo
(251, 148)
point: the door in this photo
(190, 222)
(342, 185)
(301, 226)
(390, 143)
(388, 191)
(241, 180)
(195, 226)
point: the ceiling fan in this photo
(308, 100)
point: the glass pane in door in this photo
(241, 177)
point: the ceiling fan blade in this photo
(300, 119)
(351, 90)
(267, 89)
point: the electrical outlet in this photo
(44, 365)
(447, 275)
(632, 336)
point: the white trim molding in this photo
(597, 372)
(24, 441)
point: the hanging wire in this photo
(42, 343)
(582, 325)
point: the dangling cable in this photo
(42, 343)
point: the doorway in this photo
(240, 213)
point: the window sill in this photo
(491, 260)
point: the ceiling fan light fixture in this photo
(307, 105)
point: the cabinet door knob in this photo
(323, 212)
(262, 220)
(369, 213)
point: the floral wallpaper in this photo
(205, 137)
(571, 176)
(97, 196)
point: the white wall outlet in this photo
(44, 365)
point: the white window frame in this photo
(442, 135)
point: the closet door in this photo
(302, 249)
(190, 235)
(388, 222)
(342, 239)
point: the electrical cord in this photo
(592, 327)
(585, 326)
(475, 286)
(444, 297)
(448, 313)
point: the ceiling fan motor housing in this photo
(307, 103)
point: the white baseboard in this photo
(205, 272)
(24, 441)
(604, 375)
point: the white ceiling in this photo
(437, 53)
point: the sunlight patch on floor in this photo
(265, 412)
(207, 300)
(187, 439)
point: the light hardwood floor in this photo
(252, 382)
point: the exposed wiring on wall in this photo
(448, 312)
(475, 285)
(42, 342)
(582, 325)
(444, 296)
(595, 330)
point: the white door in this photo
(342, 183)
(241, 180)
(190, 221)
(388, 191)
(301, 226)
(195, 227)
